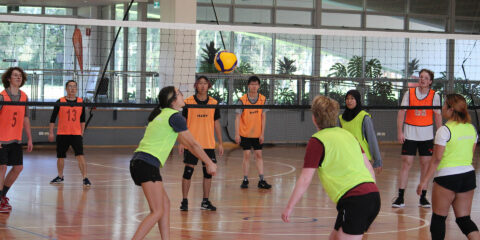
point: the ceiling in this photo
(66, 3)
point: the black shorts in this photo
(458, 183)
(142, 172)
(11, 154)
(425, 148)
(356, 213)
(248, 143)
(65, 141)
(189, 158)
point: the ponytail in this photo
(154, 113)
(165, 98)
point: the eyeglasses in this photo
(179, 93)
(71, 87)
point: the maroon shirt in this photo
(314, 155)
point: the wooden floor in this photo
(113, 207)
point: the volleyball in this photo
(225, 61)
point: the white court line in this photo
(381, 214)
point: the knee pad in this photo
(205, 174)
(437, 227)
(466, 225)
(188, 172)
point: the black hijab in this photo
(350, 114)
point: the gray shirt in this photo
(15, 98)
(251, 100)
(369, 133)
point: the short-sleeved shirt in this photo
(441, 138)
(314, 156)
(419, 133)
(178, 122)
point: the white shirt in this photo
(418, 133)
(441, 138)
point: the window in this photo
(294, 17)
(343, 5)
(58, 11)
(153, 12)
(384, 6)
(296, 3)
(248, 15)
(427, 24)
(384, 22)
(254, 2)
(341, 19)
(254, 49)
(205, 13)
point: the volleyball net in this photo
(293, 64)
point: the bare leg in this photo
(60, 166)
(3, 170)
(407, 162)
(154, 193)
(424, 162)
(82, 165)
(462, 206)
(259, 161)
(340, 235)
(246, 162)
(164, 223)
(12, 175)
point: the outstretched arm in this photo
(302, 184)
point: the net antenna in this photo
(100, 85)
(224, 48)
(472, 98)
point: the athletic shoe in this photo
(398, 203)
(86, 182)
(184, 205)
(57, 180)
(244, 184)
(263, 184)
(424, 203)
(207, 205)
(4, 202)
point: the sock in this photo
(184, 200)
(5, 190)
(261, 177)
(245, 178)
(401, 192)
(424, 193)
(205, 199)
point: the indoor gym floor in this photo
(113, 206)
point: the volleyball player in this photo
(359, 123)
(250, 131)
(165, 126)
(454, 181)
(71, 126)
(334, 153)
(202, 123)
(13, 120)
(415, 131)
